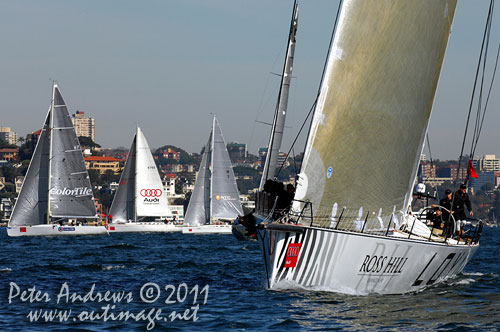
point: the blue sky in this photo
(167, 65)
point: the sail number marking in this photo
(452, 262)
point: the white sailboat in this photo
(351, 229)
(215, 197)
(140, 194)
(56, 190)
(241, 231)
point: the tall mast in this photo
(135, 175)
(276, 137)
(51, 125)
(211, 165)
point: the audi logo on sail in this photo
(151, 192)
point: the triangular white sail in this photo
(374, 105)
(140, 192)
(31, 206)
(215, 194)
(225, 198)
(151, 200)
(276, 137)
(198, 211)
(123, 205)
(57, 183)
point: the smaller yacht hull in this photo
(137, 227)
(55, 230)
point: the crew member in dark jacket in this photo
(435, 218)
(446, 202)
(461, 198)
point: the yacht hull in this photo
(137, 227)
(355, 263)
(55, 230)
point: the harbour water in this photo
(151, 272)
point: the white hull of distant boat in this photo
(137, 227)
(47, 230)
(207, 229)
(356, 263)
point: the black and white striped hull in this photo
(355, 263)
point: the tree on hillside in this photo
(4, 144)
(88, 142)
(184, 157)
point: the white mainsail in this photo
(140, 192)
(216, 194)
(57, 183)
(224, 195)
(374, 105)
(278, 127)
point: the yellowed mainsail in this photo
(374, 106)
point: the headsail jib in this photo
(374, 104)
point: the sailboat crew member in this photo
(446, 202)
(435, 218)
(461, 198)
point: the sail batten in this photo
(374, 105)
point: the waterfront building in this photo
(84, 126)
(483, 178)
(19, 183)
(170, 153)
(6, 206)
(9, 154)
(487, 163)
(8, 135)
(102, 164)
(426, 170)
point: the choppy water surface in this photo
(137, 270)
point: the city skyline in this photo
(175, 62)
